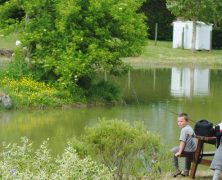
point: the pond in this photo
(153, 96)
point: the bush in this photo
(22, 162)
(28, 92)
(105, 91)
(17, 68)
(66, 40)
(130, 150)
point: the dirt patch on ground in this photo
(200, 175)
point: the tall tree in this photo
(217, 13)
(199, 10)
(156, 12)
(69, 40)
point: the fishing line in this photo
(139, 105)
(192, 121)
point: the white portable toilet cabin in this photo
(182, 35)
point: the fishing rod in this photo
(135, 94)
(137, 100)
(177, 114)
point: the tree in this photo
(200, 10)
(3, 1)
(69, 40)
(217, 13)
(156, 12)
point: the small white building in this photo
(182, 35)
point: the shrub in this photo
(17, 68)
(22, 162)
(130, 150)
(70, 166)
(66, 40)
(26, 91)
(105, 91)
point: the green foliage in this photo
(22, 162)
(18, 82)
(69, 40)
(217, 13)
(70, 166)
(216, 38)
(104, 91)
(17, 68)
(201, 10)
(28, 92)
(156, 12)
(129, 149)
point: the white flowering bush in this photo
(22, 162)
(69, 165)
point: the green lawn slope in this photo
(163, 55)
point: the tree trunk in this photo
(194, 32)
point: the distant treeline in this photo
(156, 12)
(216, 38)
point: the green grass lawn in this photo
(160, 55)
(163, 55)
(8, 42)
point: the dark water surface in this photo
(151, 96)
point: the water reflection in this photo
(5, 117)
(149, 97)
(189, 82)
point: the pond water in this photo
(153, 96)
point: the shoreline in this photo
(163, 55)
(143, 63)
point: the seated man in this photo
(187, 145)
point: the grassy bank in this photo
(160, 55)
(8, 42)
(163, 55)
